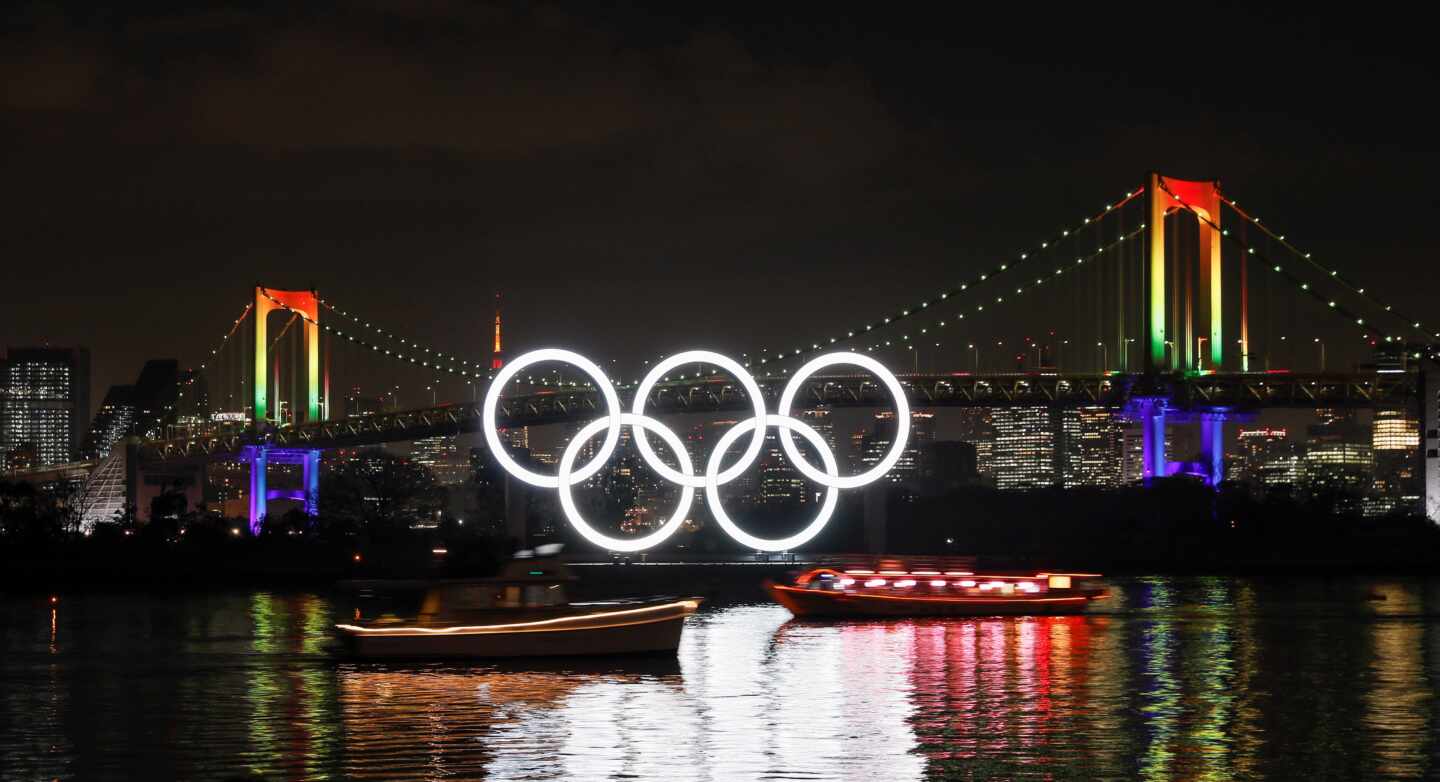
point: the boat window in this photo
(511, 598)
(540, 595)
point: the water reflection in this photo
(1203, 678)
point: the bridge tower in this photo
(1174, 343)
(1166, 195)
(306, 304)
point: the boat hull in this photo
(646, 630)
(824, 603)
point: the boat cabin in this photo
(534, 584)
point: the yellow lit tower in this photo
(497, 360)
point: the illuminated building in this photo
(779, 482)
(440, 455)
(1090, 447)
(818, 418)
(975, 428)
(518, 437)
(857, 448)
(1334, 424)
(1331, 466)
(1024, 452)
(1283, 468)
(112, 422)
(1132, 455)
(46, 402)
(1257, 447)
(1395, 439)
(875, 446)
(162, 398)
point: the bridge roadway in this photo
(1198, 393)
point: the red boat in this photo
(922, 591)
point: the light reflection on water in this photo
(1201, 678)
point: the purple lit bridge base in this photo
(260, 457)
(1154, 412)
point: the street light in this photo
(1200, 352)
(1170, 361)
(1128, 342)
(1322, 353)
(977, 355)
(1104, 357)
(1060, 354)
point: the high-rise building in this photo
(1090, 447)
(1283, 468)
(46, 402)
(1257, 447)
(975, 427)
(818, 418)
(1339, 466)
(113, 421)
(517, 437)
(156, 392)
(780, 483)
(1024, 455)
(1395, 439)
(1395, 430)
(162, 397)
(877, 444)
(1132, 454)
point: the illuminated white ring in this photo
(602, 383)
(567, 502)
(712, 485)
(752, 390)
(902, 421)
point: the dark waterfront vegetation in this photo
(391, 522)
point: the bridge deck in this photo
(1233, 391)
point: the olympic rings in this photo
(567, 502)
(492, 400)
(712, 485)
(714, 477)
(902, 413)
(752, 390)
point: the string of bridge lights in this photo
(1304, 287)
(923, 307)
(234, 326)
(1332, 274)
(1021, 289)
(462, 371)
(409, 343)
(425, 363)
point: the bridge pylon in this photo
(306, 304)
(1181, 332)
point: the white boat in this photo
(523, 612)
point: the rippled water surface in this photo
(1192, 678)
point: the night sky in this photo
(641, 181)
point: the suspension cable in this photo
(1354, 318)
